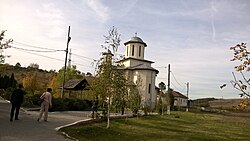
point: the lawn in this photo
(188, 127)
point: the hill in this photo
(20, 73)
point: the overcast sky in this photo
(194, 36)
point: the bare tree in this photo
(4, 44)
(242, 83)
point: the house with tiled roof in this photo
(180, 100)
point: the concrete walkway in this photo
(28, 129)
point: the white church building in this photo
(139, 71)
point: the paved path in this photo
(28, 129)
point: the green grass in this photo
(189, 127)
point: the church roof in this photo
(142, 67)
(134, 59)
(135, 39)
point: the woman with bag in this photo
(46, 103)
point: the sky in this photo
(193, 36)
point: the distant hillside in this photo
(225, 103)
(203, 102)
(21, 72)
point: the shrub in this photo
(7, 94)
(147, 109)
(31, 101)
(68, 104)
(58, 105)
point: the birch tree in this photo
(4, 44)
(109, 85)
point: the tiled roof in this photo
(75, 84)
(177, 94)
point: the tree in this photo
(162, 87)
(57, 80)
(113, 40)
(109, 85)
(13, 82)
(54, 85)
(4, 44)
(120, 89)
(135, 97)
(171, 98)
(31, 83)
(242, 56)
(18, 65)
(6, 81)
(33, 66)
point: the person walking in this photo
(16, 101)
(46, 103)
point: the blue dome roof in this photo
(135, 39)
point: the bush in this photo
(147, 109)
(58, 105)
(7, 94)
(68, 104)
(31, 101)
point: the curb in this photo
(71, 124)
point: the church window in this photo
(133, 50)
(149, 88)
(139, 51)
(127, 50)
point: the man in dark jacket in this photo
(16, 101)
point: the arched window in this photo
(133, 50)
(139, 51)
(127, 50)
(149, 88)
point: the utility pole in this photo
(187, 97)
(69, 63)
(168, 107)
(65, 64)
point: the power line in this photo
(84, 57)
(33, 50)
(58, 59)
(42, 55)
(174, 86)
(161, 77)
(161, 67)
(175, 79)
(50, 50)
(82, 65)
(24, 44)
(28, 51)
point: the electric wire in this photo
(84, 57)
(175, 79)
(51, 50)
(24, 44)
(174, 86)
(34, 50)
(42, 55)
(52, 58)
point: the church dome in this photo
(135, 39)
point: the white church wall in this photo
(135, 54)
